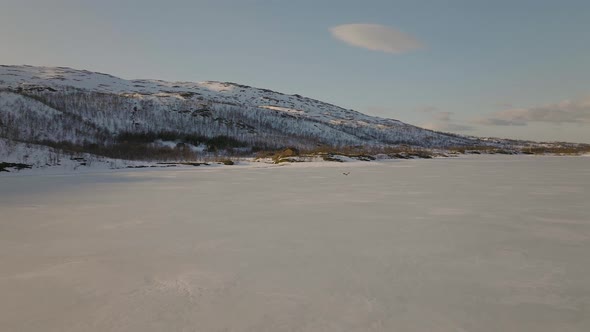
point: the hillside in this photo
(59, 105)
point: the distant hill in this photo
(84, 111)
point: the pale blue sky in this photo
(517, 68)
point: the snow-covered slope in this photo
(61, 104)
(28, 77)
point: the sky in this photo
(503, 68)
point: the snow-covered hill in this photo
(46, 104)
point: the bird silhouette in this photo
(346, 173)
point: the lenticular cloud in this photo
(376, 37)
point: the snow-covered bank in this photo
(43, 159)
(39, 159)
(29, 159)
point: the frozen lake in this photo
(488, 243)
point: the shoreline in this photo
(246, 163)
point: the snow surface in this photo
(482, 243)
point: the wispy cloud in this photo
(503, 105)
(442, 116)
(442, 121)
(447, 126)
(567, 111)
(497, 122)
(426, 109)
(376, 37)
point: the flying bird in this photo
(346, 173)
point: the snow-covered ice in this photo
(485, 243)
